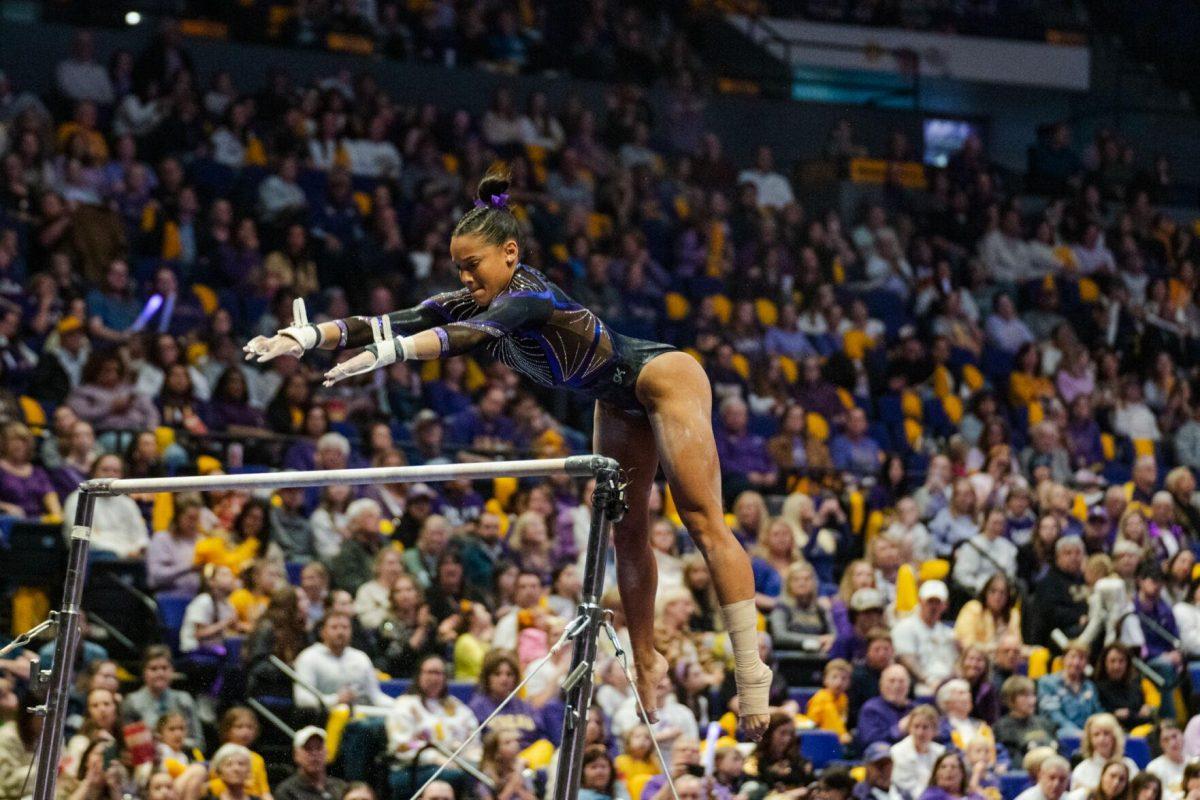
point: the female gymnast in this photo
(653, 406)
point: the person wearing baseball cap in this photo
(924, 644)
(311, 780)
(866, 612)
(877, 782)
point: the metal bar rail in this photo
(608, 505)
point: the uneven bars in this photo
(575, 466)
(54, 710)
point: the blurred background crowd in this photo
(959, 430)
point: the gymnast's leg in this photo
(675, 392)
(630, 440)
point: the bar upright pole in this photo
(608, 506)
(55, 708)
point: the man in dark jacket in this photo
(1060, 599)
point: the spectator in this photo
(1058, 601)
(880, 718)
(955, 523)
(25, 489)
(1169, 767)
(80, 77)
(352, 566)
(156, 697)
(1021, 728)
(1102, 743)
(1161, 634)
(311, 780)
(171, 555)
(984, 555)
(772, 189)
(106, 399)
(429, 713)
(210, 618)
(855, 452)
(340, 673)
(118, 529)
(924, 644)
(917, 753)
(1068, 698)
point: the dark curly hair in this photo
(490, 218)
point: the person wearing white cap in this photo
(924, 644)
(311, 780)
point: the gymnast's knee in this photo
(706, 529)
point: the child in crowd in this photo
(239, 725)
(637, 755)
(827, 708)
(502, 763)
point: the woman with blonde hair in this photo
(751, 515)
(673, 635)
(772, 556)
(373, 599)
(698, 580)
(1103, 741)
(530, 544)
(25, 489)
(859, 574)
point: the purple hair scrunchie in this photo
(496, 201)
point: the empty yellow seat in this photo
(818, 426)
(767, 311)
(677, 306)
(935, 569)
(722, 307)
(791, 372)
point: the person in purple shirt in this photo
(1082, 435)
(855, 451)
(745, 463)
(485, 427)
(448, 394)
(231, 409)
(25, 489)
(498, 676)
(1161, 633)
(866, 614)
(785, 339)
(817, 394)
(885, 718)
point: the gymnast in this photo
(653, 407)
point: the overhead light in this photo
(132, 18)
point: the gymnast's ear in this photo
(511, 252)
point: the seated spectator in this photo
(1102, 743)
(230, 410)
(959, 725)
(1068, 698)
(484, 428)
(373, 598)
(248, 539)
(880, 718)
(428, 713)
(259, 581)
(311, 779)
(25, 489)
(1169, 767)
(916, 754)
(1021, 728)
(990, 616)
(795, 451)
(1051, 774)
(340, 673)
(955, 523)
(290, 527)
(171, 555)
(1120, 687)
(745, 463)
(75, 461)
(498, 677)
(106, 399)
(866, 614)
(924, 644)
(1132, 417)
(776, 760)
(828, 707)
(950, 781)
(156, 697)
(210, 618)
(1161, 634)
(985, 555)
(118, 528)
(408, 630)
(1005, 330)
(772, 188)
(281, 631)
(1059, 599)
(855, 452)
(798, 621)
(772, 558)
(352, 566)
(420, 560)
(785, 337)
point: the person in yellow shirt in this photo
(638, 756)
(239, 725)
(258, 584)
(828, 707)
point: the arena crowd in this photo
(959, 435)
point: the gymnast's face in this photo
(484, 268)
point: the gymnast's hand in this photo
(364, 362)
(293, 340)
(268, 348)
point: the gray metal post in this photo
(55, 708)
(608, 506)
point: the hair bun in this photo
(493, 187)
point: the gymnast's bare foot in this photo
(650, 670)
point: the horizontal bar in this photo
(575, 466)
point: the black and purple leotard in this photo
(538, 331)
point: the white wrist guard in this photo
(309, 336)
